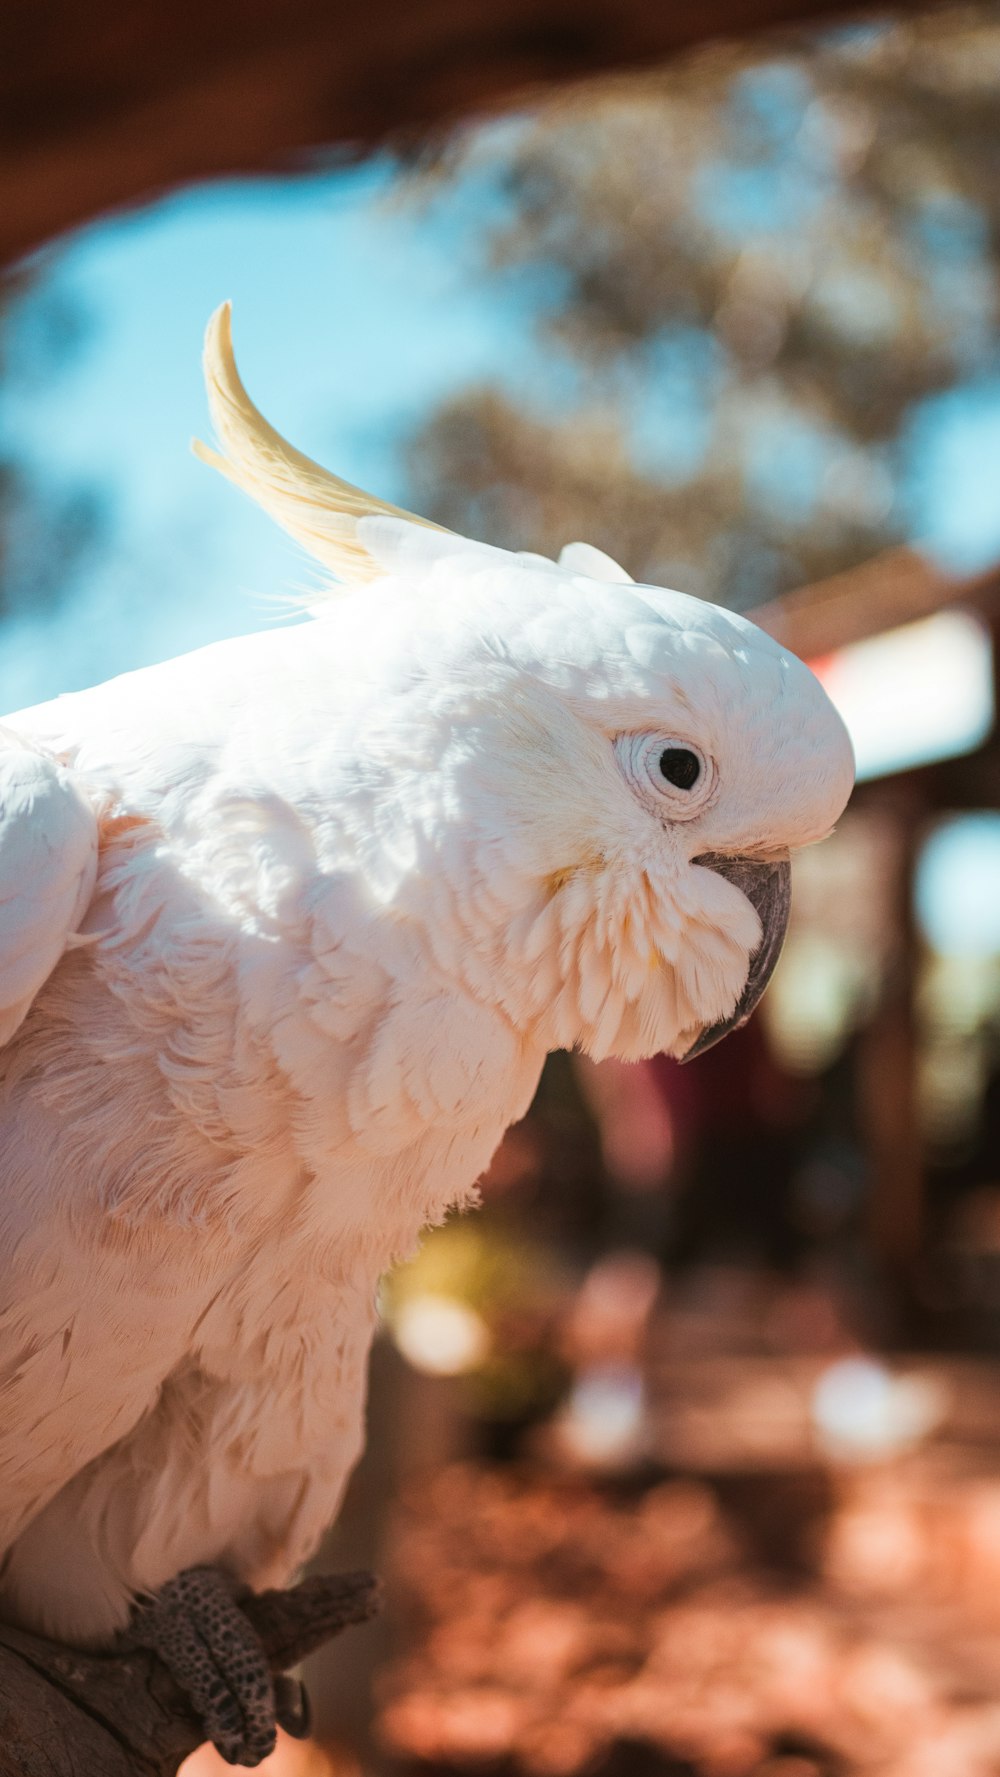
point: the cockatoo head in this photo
(604, 781)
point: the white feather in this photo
(355, 879)
(48, 863)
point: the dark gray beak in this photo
(768, 887)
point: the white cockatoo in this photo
(287, 929)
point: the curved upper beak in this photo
(768, 887)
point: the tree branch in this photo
(70, 1714)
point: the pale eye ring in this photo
(668, 773)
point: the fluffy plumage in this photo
(307, 910)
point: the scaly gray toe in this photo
(200, 1633)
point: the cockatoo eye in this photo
(669, 775)
(680, 767)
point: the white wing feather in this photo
(48, 863)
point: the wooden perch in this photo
(70, 1714)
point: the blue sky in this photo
(958, 886)
(354, 316)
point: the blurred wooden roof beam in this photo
(113, 103)
(895, 587)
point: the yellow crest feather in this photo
(317, 508)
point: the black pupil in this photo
(680, 766)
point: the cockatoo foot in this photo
(208, 1645)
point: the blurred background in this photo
(685, 1452)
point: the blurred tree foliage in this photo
(757, 266)
(46, 528)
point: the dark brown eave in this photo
(897, 586)
(109, 104)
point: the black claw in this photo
(292, 1707)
